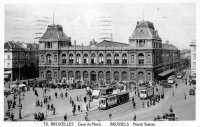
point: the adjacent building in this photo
(193, 57)
(143, 58)
(20, 60)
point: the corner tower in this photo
(145, 36)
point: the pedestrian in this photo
(73, 111)
(86, 116)
(176, 85)
(56, 94)
(170, 109)
(110, 116)
(79, 108)
(35, 117)
(54, 111)
(134, 105)
(65, 117)
(12, 116)
(77, 98)
(87, 107)
(134, 117)
(132, 99)
(66, 94)
(51, 106)
(48, 106)
(185, 96)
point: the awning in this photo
(166, 72)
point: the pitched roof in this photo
(145, 30)
(110, 44)
(54, 32)
(169, 46)
(12, 45)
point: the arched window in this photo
(141, 59)
(78, 75)
(85, 58)
(49, 61)
(108, 77)
(85, 75)
(108, 58)
(101, 58)
(63, 74)
(42, 75)
(116, 58)
(48, 76)
(124, 59)
(93, 59)
(42, 58)
(64, 59)
(78, 59)
(71, 75)
(55, 58)
(100, 75)
(149, 58)
(116, 76)
(71, 59)
(124, 76)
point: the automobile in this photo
(191, 92)
(171, 79)
(179, 75)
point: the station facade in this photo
(144, 58)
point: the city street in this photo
(183, 108)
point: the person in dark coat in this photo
(65, 117)
(134, 118)
(35, 117)
(12, 116)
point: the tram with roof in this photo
(108, 101)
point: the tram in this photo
(108, 101)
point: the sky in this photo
(175, 22)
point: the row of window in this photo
(94, 59)
(116, 75)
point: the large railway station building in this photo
(144, 58)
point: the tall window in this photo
(8, 57)
(141, 59)
(71, 59)
(132, 58)
(132, 75)
(49, 59)
(78, 59)
(141, 43)
(42, 75)
(148, 58)
(108, 58)
(93, 58)
(100, 58)
(48, 44)
(124, 76)
(116, 76)
(55, 75)
(116, 58)
(42, 58)
(85, 58)
(55, 58)
(63, 74)
(124, 59)
(64, 59)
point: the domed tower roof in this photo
(145, 30)
(55, 33)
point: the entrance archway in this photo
(48, 76)
(93, 76)
(140, 77)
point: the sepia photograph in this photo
(99, 62)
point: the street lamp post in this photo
(20, 106)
